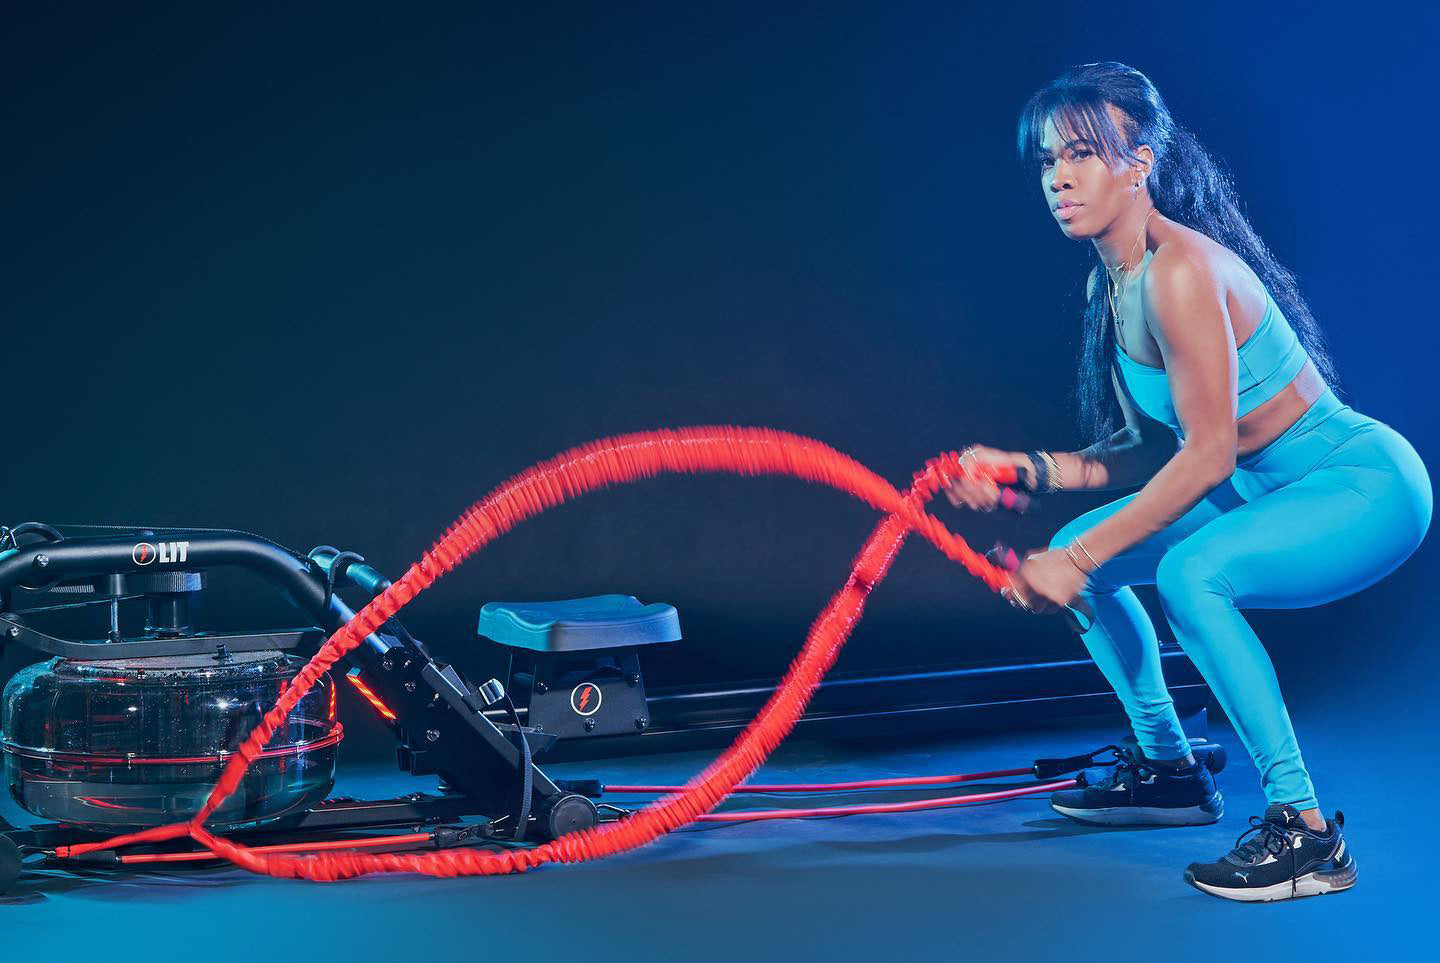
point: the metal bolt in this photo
(541, 687)
(13, 631)
(641, 722)
(432, 734)
(387, 664)
(42, 560)
(633, 678)
(589, 724)
(409, 686)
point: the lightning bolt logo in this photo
(585, 699)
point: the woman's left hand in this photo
(1046, 581)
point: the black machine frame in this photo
(440, 721)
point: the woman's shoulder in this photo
(1186, 262)
(1182, 254)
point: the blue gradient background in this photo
(330, 273)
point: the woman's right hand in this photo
(980, 494)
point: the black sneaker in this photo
(1135, 793)
(1286, 859)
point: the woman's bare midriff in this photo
(1269, 421)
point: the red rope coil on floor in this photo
(598, 464)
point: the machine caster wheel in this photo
(9, 864)
(570, 813)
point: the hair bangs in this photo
(1079, 114)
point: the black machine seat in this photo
(579, 625)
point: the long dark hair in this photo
(1186, 184)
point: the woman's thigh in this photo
(1137, 564)
(1338, 529)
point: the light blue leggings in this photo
(1325, 510)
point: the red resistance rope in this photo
(595, 465)
(406, 839)
(914, 805)
(750, 815)
(745, 816)
(901, 782)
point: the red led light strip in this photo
(332, 737)
(354, 677)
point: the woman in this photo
(1278, 496)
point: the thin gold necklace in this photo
(1116, 292)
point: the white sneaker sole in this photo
(1311, 884)
(1141, 816)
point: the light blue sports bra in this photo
(1268, 361)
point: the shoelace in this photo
(1127, 762)
(1272, 840)
(1274, 837)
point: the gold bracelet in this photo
(1057, 481)
(1070, 554)
(1081, 545)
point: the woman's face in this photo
(1084, 194)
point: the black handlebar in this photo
(144, 552)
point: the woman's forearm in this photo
(1173, 491)
(1120, 461)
